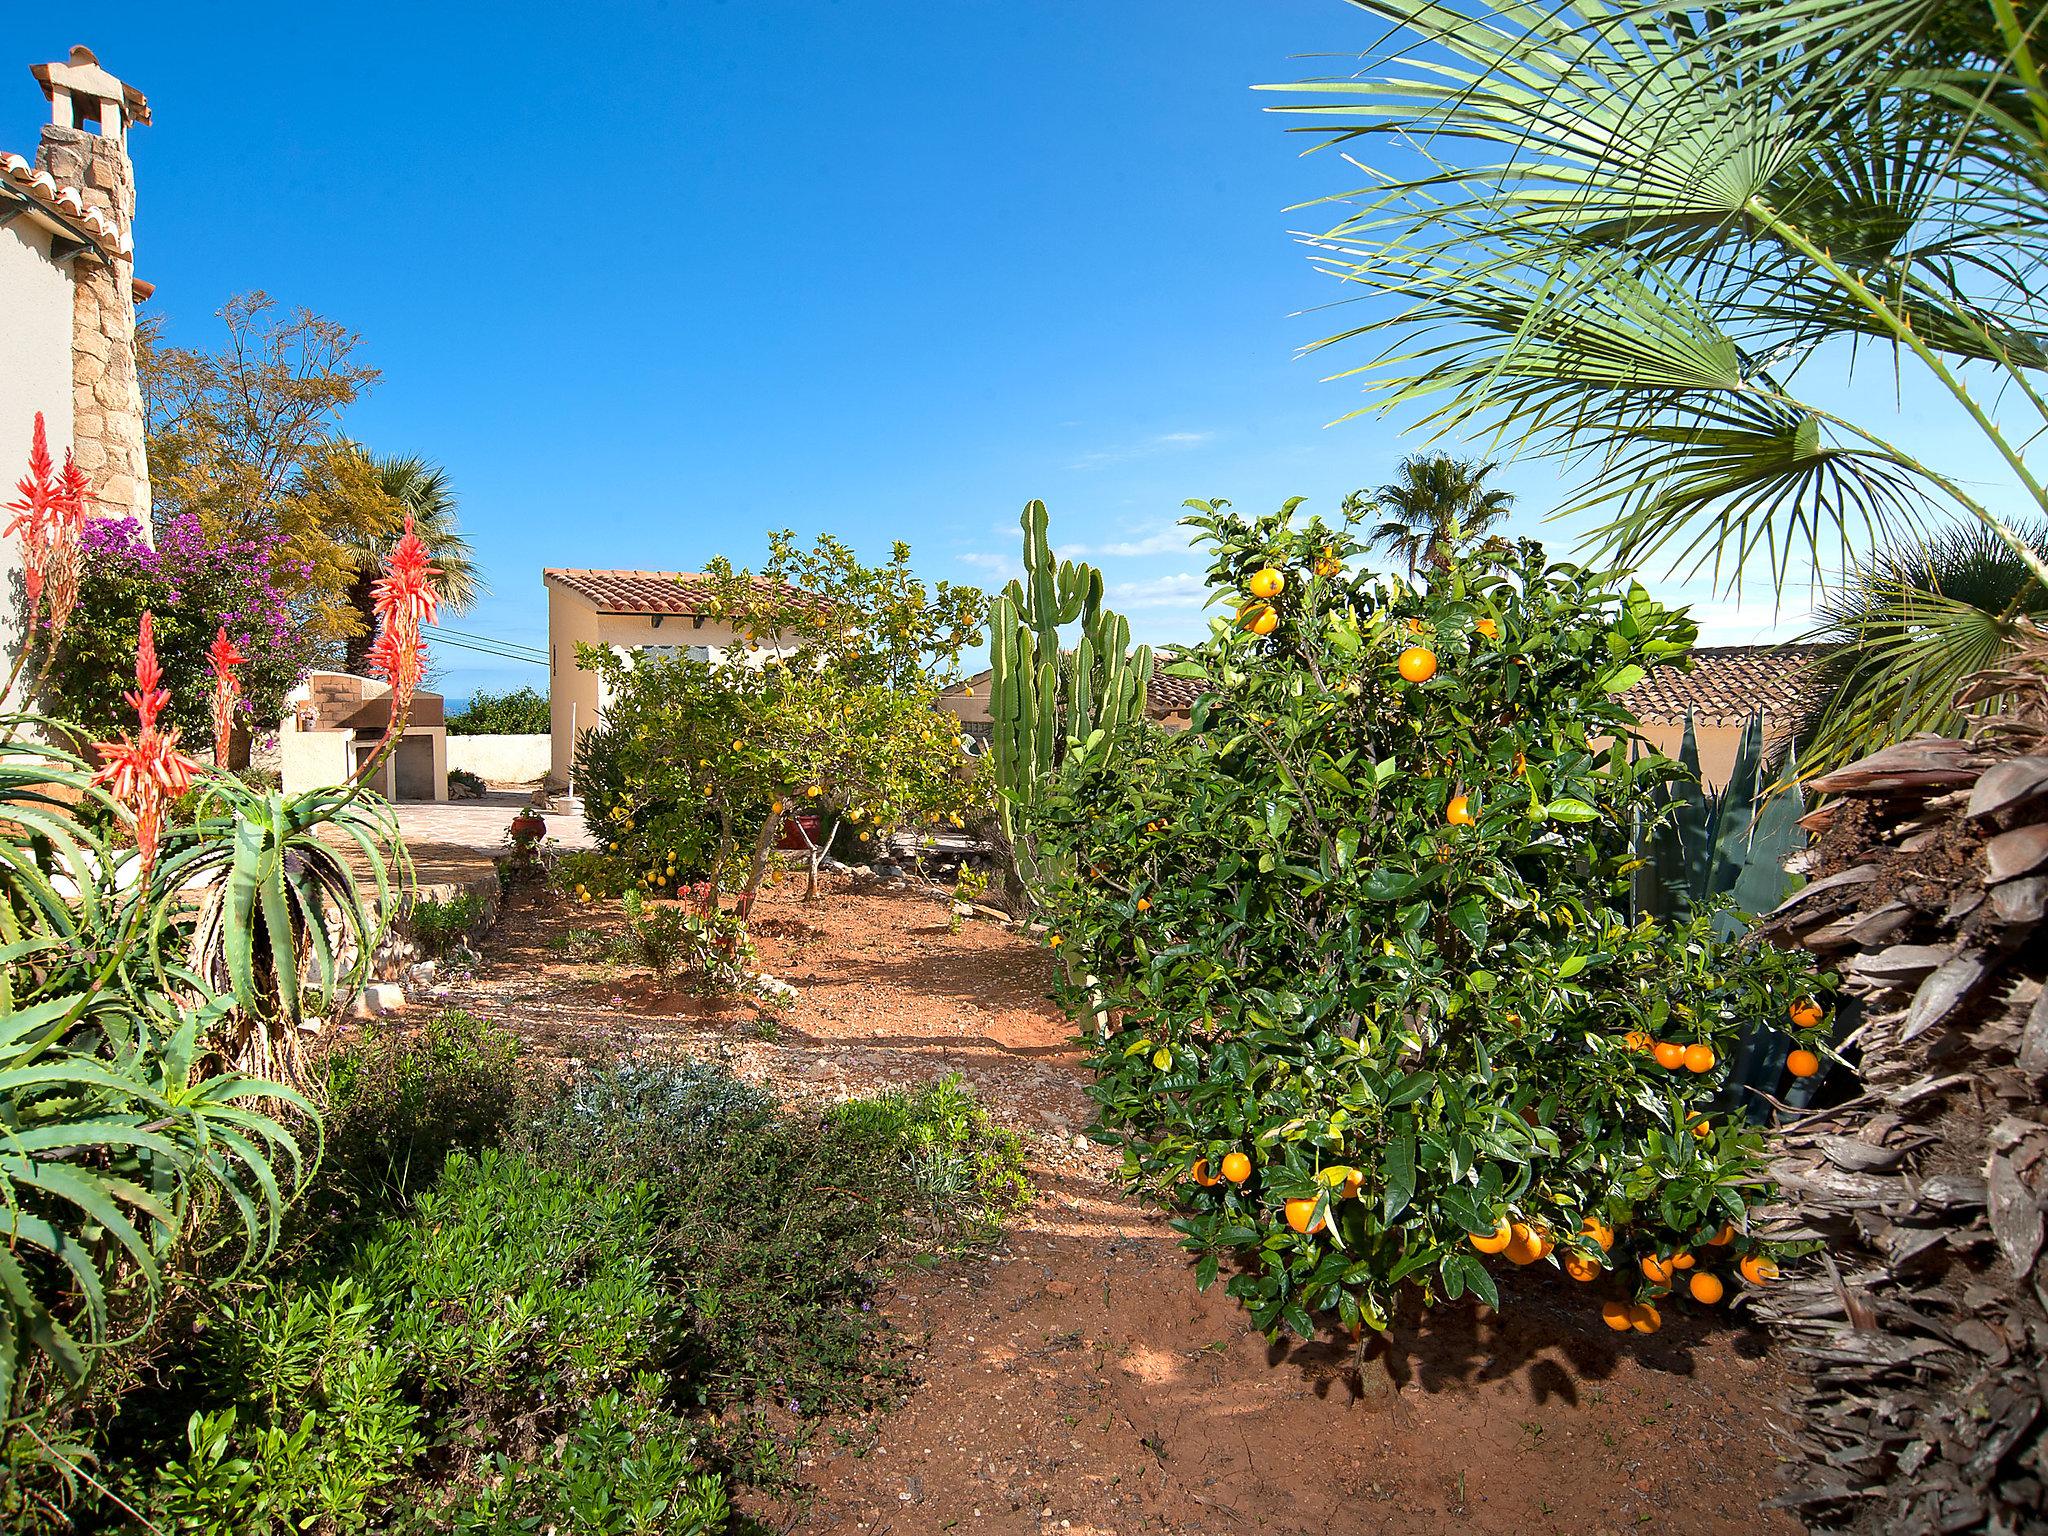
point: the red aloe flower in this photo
(223, 658)
(405, 599)
(146, 771)
(39, 495)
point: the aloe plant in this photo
(278, 919)
(1045, 701)
(108, 1134)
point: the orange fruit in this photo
(1638, 1040)
(1299, 1211)
(1702, 1130)
(1415, 626)
(1657, 1271)
(1488, 628)
(1722, 1238)
(1144, 904)
(1237, 1167)
(1615, 1315)
(1706, 1288)
(1260, 619)
(1266, 583)
(1459, 812)
(1699, 1058)
(1757, 1269)
(1523, 1247)
(1417, 664)
(1682, 1260)
(1645, 1318)
(1806, 1013)
(1054, 941)
(1599, 1231)
(1497, 1239)
(1342, 1182)
(1201, 1175)
(1802, 1063)
(1669, 1053)
(1579, 1267)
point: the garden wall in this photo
(501, 759)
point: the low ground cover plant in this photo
(589, 1305)
(1377, 1010)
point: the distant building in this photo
(1728, 684)
(649, 613)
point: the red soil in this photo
(1077, 1383)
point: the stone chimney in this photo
(86, 146)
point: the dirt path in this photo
(1077, 1383)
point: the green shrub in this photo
(521, 712)
(439, 926)
(511, 1288)
(776, 1223)
(962, 1174)
(316, 1427)
(709, 945)
(627, 1466)
(653, 1118)
(399, 1103)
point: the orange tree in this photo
(1379, 1011)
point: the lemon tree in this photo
(695, 767)
(1379, 1013)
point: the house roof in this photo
(690, 593)
(63, 206)
(1727, 684)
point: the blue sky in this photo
(652, 279)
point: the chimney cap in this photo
(83, 75)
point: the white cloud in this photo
(1182, 590)
(1141, 448)
(983, 561)
(1162, 541)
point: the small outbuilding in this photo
(332, 724)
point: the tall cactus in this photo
(1045, 702)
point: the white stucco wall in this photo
(35, 375)
(502, 759)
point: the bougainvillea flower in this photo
(223, 658)
(146, 771)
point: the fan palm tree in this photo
(1657, 240)
(1904, 633)
(1436, 501)
(416, 488)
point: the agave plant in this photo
(109, 1139)
(1648, 236)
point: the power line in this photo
(506, 650)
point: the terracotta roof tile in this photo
(1727, 684)
(67, 204)
(679, 592)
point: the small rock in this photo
(378, 999)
